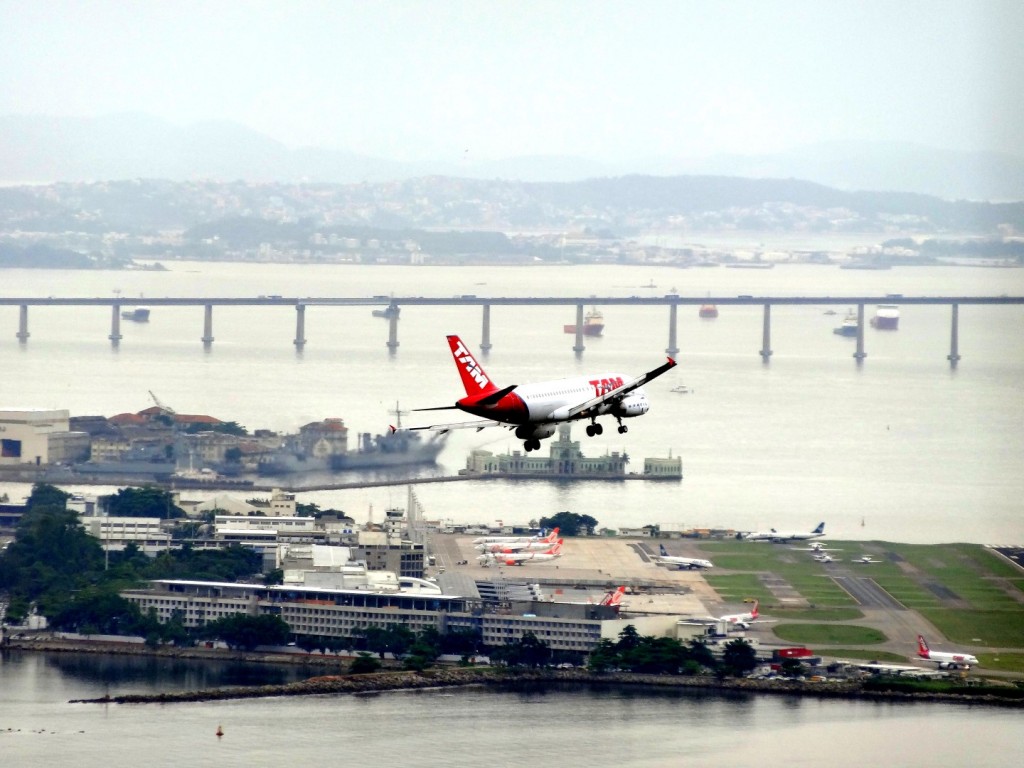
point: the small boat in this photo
(849, 325)
(593, 323)
(391, 310)
(708, 311)
(136, 314)
(887, 317)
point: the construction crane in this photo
(160, 405)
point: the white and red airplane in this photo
(518, 558)
(551, 536)
(533, 410)
(537, 545)
(739, 620)
(614, 597)
(945, 660)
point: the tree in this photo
(570, 523)
(148, 501)
(364, 663)
(46, 495)
(246, 632)
(738, 657)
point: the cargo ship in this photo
(887, 317)
(593, 324)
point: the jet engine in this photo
(634, 405)
(534, 431)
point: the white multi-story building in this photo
(345, 613)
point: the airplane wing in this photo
(621, 392)
(442, 428)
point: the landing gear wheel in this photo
(598, 429)
(623, 429)
(590, 430)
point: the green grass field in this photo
(968, 592)
(828, 634)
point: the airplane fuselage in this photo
(550, 401)
(684, 562)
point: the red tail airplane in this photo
(533, 410)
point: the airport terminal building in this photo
(344, 613)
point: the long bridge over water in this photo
(671, 302)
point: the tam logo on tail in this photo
(474, 379)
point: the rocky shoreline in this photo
(335, 681)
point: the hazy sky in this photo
(603, 80)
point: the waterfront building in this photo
(565, 460)
(346, 613)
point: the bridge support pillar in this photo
(954, 343)
(578, 346)
(115, 325)
(673, 313)
(860, 354)
(300, 326)
(485, 340)
(393, 332)
(208, 325)
(23, 333)
(766, 334)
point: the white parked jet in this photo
(673, 561)
(864, 559)
(519, 558)
(737, 620)
(774, 535)
(945, 660)
(517, 546)
(515, 543)
(533, 410)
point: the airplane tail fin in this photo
(614, 598)
(556, 549)
(922, 646)
(819, 529)
(474, 379)
(662, 548)
(754, 614)
(552, 536)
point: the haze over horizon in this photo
(464, 81)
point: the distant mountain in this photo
(881, 166)
(131, 146)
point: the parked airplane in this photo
(551, 536)
(680, 563)
(824, 557)
(511, 544)
(533, 410)
(518, 558)
(864, 559)
(820, 546)
(738, 620)
(945, 660)
(614, 597)
(774, 535)
(518, 546)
